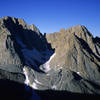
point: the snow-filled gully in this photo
(34, 84)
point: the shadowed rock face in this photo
(12, 90)
(68, 60)
(22, 44)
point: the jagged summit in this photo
(79, 30)
(12, 20)
(21, 42)
(75, 49)
(67, 60)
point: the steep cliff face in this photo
(76, 50)
(22, 44)
(67, 60)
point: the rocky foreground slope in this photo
(68, 60)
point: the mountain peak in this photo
(66, 60)
(79, 29)
(12, 21)
(69, 43)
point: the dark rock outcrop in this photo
(12, 90)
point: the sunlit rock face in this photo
(76, 50)
(67, 60)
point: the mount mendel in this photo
(68, 60)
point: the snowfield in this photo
(46, 66)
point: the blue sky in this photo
(52, 15)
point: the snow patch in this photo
(34, 95)
(48, 74)
(46, 66)
(54, 87)
(26, 75)
(37, 81)
(78, 73)
(33, 55)
(27, 81)
(34, 85)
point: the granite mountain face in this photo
(67, 60)
(77, 50)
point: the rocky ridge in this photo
(67, 60)
(76, 50)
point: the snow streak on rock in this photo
(37, 81)
(54, 87)
(26, 75)
(46, 66)
(27, 81)
(78, 72)
(34, 85)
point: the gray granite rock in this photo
(68, 60)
